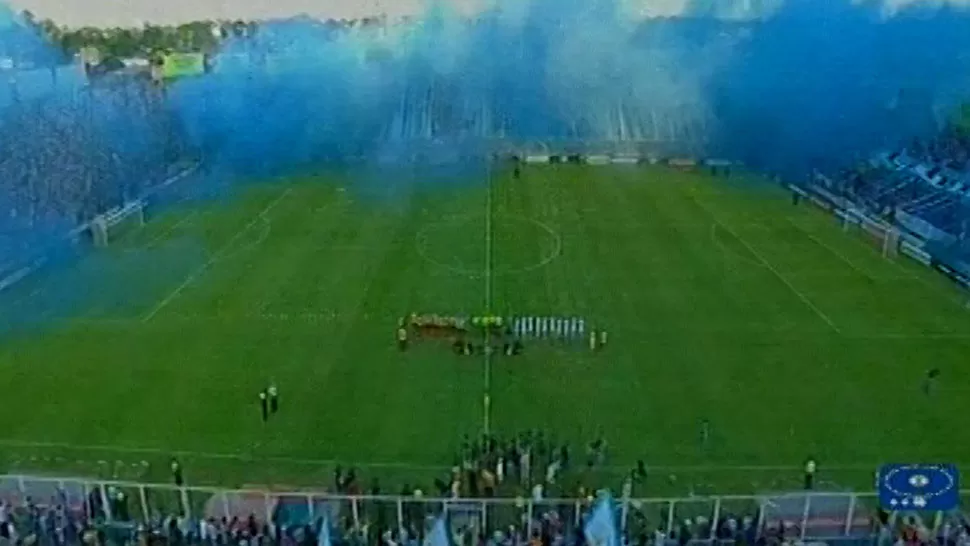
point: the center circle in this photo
(518, 244)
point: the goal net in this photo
(884, 237)
(115, 224)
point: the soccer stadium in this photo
(550, 274)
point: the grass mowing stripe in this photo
(214, 258)
(487, 387)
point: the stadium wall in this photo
(620, 159)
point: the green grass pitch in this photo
(723, 301)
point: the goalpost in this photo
(116, 222)
(890, 247)
(884, 236)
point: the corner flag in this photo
(323, 535)
(439, 535)
(601, 528)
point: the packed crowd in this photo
(70, 155)
(529, 462)
(929, 178)
(29, 524)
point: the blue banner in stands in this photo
(929, 487)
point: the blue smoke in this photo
(805, 83)
(824, 82)
(795, 85)
(70, 148)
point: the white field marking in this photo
(263, 235)
(487, 372)
(720, 244)
(214, 258)
(171, 229)
(420, 242)
(168, 182)
(232, 456)
(771, 268)
(909, 275)
(937, 289)
(310, 318)
(829, 248)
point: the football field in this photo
(723, 301)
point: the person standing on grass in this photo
(596, 451)
(705, 434)
(274, 398)
(525, 466)
(810, 469)
(402, 338)
(641, 470)
(929, 383)
(264, 405)
(552, 471)
(177, 477)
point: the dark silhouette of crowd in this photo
(53, 524)
(929, 179)
(370, 515)
(76, 152)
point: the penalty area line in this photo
(213, 258)
(808, 303)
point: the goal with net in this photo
(882, 235)
(115, 223)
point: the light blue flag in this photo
(601, 528)
(323, 535)
(439, 534)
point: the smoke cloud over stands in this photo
(801, 84)
(807, 83)
(69, 149)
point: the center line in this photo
(487, 401)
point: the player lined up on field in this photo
(561, 327)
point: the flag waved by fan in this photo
(601, 527)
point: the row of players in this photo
(529, 326)
(522, 327)
(560, 327)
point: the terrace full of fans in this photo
(929, 179)
(52, 524)
(72, 151)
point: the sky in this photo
(136, 12)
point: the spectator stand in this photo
(65, 511)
